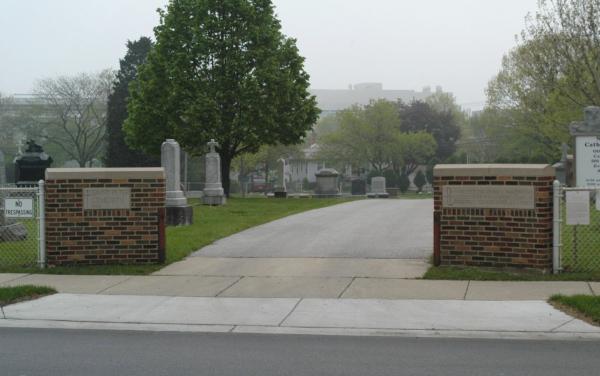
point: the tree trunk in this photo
(225, 165)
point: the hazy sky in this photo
(405, 44)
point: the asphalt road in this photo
(361, 229)
(28, 352)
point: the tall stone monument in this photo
(280, 188)
(213, 193)
(179, 213)
(587, 148)
(2, 169)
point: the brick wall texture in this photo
(496, 237)
(112, 236)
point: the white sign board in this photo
(578, 207)
(18, 208)
(587, 161)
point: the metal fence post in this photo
(42, 225)
(556, 195)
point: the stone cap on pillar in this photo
(105, 173)
(495, 169)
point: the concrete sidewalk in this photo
(276, 286)
(497, 319)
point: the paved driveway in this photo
(359, 229)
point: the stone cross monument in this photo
(178, 211)
(280, 188)
(213, 193)
(587, 148)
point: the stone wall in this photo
(105, 216)
(499, 216)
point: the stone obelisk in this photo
(179, 213)
(213, 193)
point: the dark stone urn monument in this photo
(30, 167)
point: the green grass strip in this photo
(482, 274)
(586, 305)
(10, 295)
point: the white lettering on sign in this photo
(18, 208)
(578, 207)
(587, 161)
(488, 196)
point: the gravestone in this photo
(280, 188)
(13, 232)
(213, 193)
(378, 188)
(327, 183)
(359, 187)
(587, 148)
(2, 169)
(179, 213)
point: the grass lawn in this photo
(581, 244)
(483, 274)
(586, 307)
(24, 252)
(10, 295)
(210, 223)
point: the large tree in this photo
(419, 116)
(220, 69)
(553, 73)
(372, 135)
(71, 111)
(118, 153)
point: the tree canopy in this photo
(118, 154)
(553, 73)
(70, 112)
(220, 69)
(420, 116)
(373, 135)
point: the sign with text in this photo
(106, 198)
(578, 207)
(488, 196)
(18, 208)
(587, 161)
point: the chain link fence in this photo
(579, 230)
(19, 226)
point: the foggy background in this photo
(404, 44)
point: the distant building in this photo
(331, 101)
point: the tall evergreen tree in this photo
(118, 152)
(221, 69)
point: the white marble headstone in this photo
(170, 154)
(378, 184)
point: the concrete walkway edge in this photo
(415, 318)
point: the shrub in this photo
(403, 183)
(420, 180)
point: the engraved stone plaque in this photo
(106, 198)
(488, 197)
